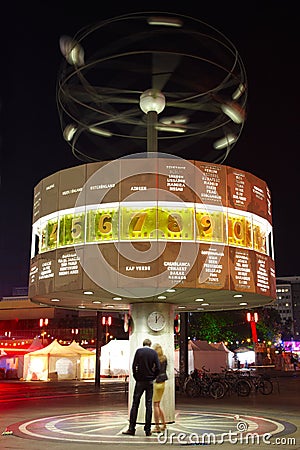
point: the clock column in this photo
(139, 331)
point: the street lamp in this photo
(253, 319)
(106, 321)
(43, 323)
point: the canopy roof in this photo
(55, 348)
(203, 345)
(77, 347)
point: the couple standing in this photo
(149, 371)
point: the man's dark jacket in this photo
(145, 365)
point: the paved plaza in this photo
(79, 417)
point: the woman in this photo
(158, 390)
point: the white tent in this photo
(230, 355)
(87, 360)
(12, 361)
(213, 357)
(114, 359)
(245, 355)
(59, 362)
(190, 358)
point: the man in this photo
(145, 368)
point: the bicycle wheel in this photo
(228, 386)
(192, 389)
(217, 389)
(265, 387)
(243, 388)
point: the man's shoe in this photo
(129, 432)
(148, 433)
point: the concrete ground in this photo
(77, 416)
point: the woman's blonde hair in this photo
(160, 352)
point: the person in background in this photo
(159, 388)
(145, 368)
(294, 361)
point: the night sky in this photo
(32, 146)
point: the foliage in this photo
(232, 326)
(215, 326)
(269, 325)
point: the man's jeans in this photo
(139, 389)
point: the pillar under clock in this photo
(144, 325)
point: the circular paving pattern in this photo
(190, 428)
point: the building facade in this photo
(288, 305)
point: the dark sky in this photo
(32, 147)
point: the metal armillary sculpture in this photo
(151, 80)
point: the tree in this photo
(215, 326)
(232, 326)
(269, 325)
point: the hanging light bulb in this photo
(165, 21)
(225, 141)
(234, 111)
(71, 50)
(239, 91)
(69, 132)
(100, 131)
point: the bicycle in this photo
(260, 383)
(202, 383)
(235, 382)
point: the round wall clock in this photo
(156, 321)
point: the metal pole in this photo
(183, 344)
(98, 346)
(151, 133)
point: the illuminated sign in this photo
(118, 222)
(208, 227)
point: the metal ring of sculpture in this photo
(108, 66)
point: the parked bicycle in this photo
(243, 383)
(216, 385)
(261, 383)
(203, 383)
(235, 383)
